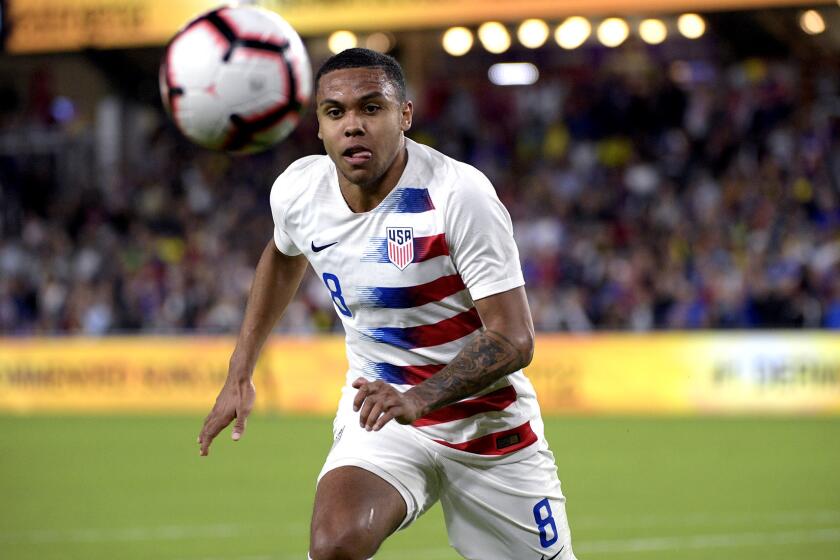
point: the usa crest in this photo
(400, 246)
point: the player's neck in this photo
(366, 197)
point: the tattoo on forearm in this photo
(486, 359)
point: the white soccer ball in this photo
(236, 79)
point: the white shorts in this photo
(493, 511)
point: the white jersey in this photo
(403, 278)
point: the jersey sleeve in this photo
(480, 236)
(280, 198)
(283, 242)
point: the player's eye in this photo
(333, 113)
(371, 108)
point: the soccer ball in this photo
(236, 79)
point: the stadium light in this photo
(613, 31)
(573, 32)
(532, 33)
(811, 22)
(380, 42)
(653, 31)
(457, 41)
(494, 36)
(341, 41)
(513, 74)
(692, 26)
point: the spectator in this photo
(639, 203)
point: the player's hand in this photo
(378, 403)
(235, 401)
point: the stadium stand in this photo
(649, 195)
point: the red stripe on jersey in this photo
(417, 374)
(445, 331)
(410, 296)
(511, 440)
(426, 248)
(437, 290)
(423, 336)
(491, 402)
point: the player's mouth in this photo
(357, 155)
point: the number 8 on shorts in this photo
(544, 518)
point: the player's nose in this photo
(353, 125)
(354, 131)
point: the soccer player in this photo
(417, 253)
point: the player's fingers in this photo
(203, 431)
(375, 413)
(359, 382)
(361, 394)
(204, 448)
(204, 440)
(239, 425)
(207, 438)
(366, 410)
(211, 429)
(386, 417)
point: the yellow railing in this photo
(666, 373)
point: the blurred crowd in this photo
(645, 196)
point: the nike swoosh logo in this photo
(542, 557)
(318, 249)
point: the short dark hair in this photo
(365, 58)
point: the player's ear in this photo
(406, 116)
(320, 135)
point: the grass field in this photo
(638, 488)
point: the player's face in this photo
(361, 121)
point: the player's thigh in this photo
(354, 511)
(394, 454)
(372, 484)
(515, 510)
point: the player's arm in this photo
(276, 280)
(505, 345)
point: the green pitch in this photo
(639, 488)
